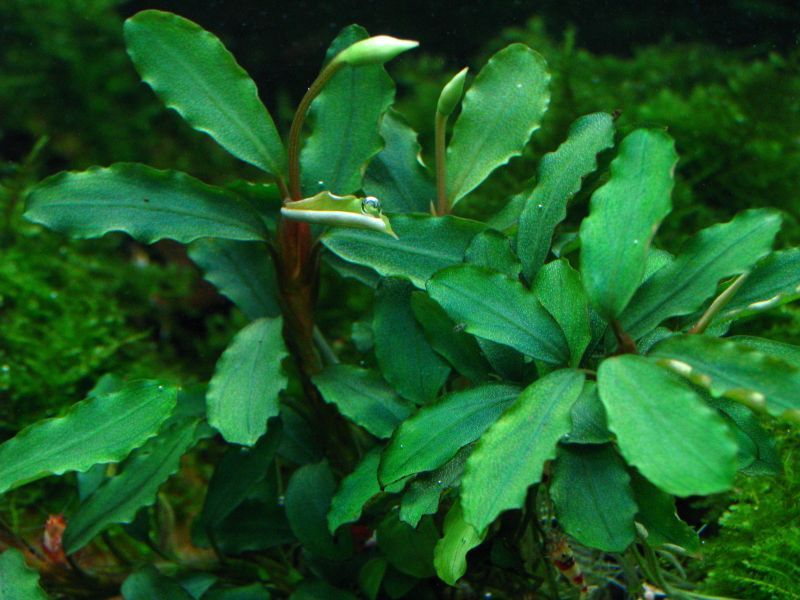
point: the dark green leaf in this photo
(422, 496)
(492, 249)
(732, 369)
(363, 397)
(459, 348)
(102, 429)
(241, 271)
(500, 309)
(193, 73)
(145, 203)
(510, 456)
(395, 175)
(320, 590)
(370, 577)
(450, 553)
(345, 118)
(404, 355)
(788, 352)
(243, 393)
(354, 492)
(560, 176)
(624, 215)
(408, 550)
(17, 580)
(681, 287)
(558, 288)
(665, 429)
(588, 419)
(592, 496)
(250, 592)
(425, 245)
(657, 514)
(119, 499)
(434, 435)
(308, 501)
(148, 584)
(500, 111)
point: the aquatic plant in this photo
(537, 392)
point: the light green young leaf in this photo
(459, 348)
(623, 217)
(436, 432)
(345, 118)
(450, 553)
(657, 514)
(492, 249)
(395, 175)
(558, 288)
(308, 501)
(510, 456)
(363, 397)
(681, 287)
(425, 245)
(406, 359)
(148, 583)
(147, 204)
(102, 429)
(243, 393)
(17, 580)
(734, 370)
(560, 176)
(351, 211)
(499, 309)
(241, 271)
(696, 449)
(120, 497)
(354, 492)
(592, 496)
(193, 74)
(500, 111)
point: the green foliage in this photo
(512, 386)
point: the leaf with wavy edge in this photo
(436, 432)
(450, 552)
(734, 370)
(500, 309)
(500, 112)
(719, 251)
(658, 516)
(243, 393)
(592, 496)
(665, 429)
(624, 215)
(17, 580)
(422, 496)
(560, 176)
(119, 499)
(194, 74)
(364, 397)
(511, 455)
(425, 245)
(345, 116)
(354, 492)
(146, 203)
(243, 272)
(102, 429)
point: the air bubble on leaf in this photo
(540, 205)
(281, 500)
(439, 482)
(5, 368)
(519, 86)
(161, 388)
(635, 242)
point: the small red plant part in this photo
(52, 539)
(563, 558)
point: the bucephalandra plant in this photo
(532, 401)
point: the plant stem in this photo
(440, 130)
(625, 341)
(333, 67)
(719, 303)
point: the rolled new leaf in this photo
(451, 93)
(102, 429)
(500, 112)
(326, 208)
(375, 50)
(195, 75)
(146, 203)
